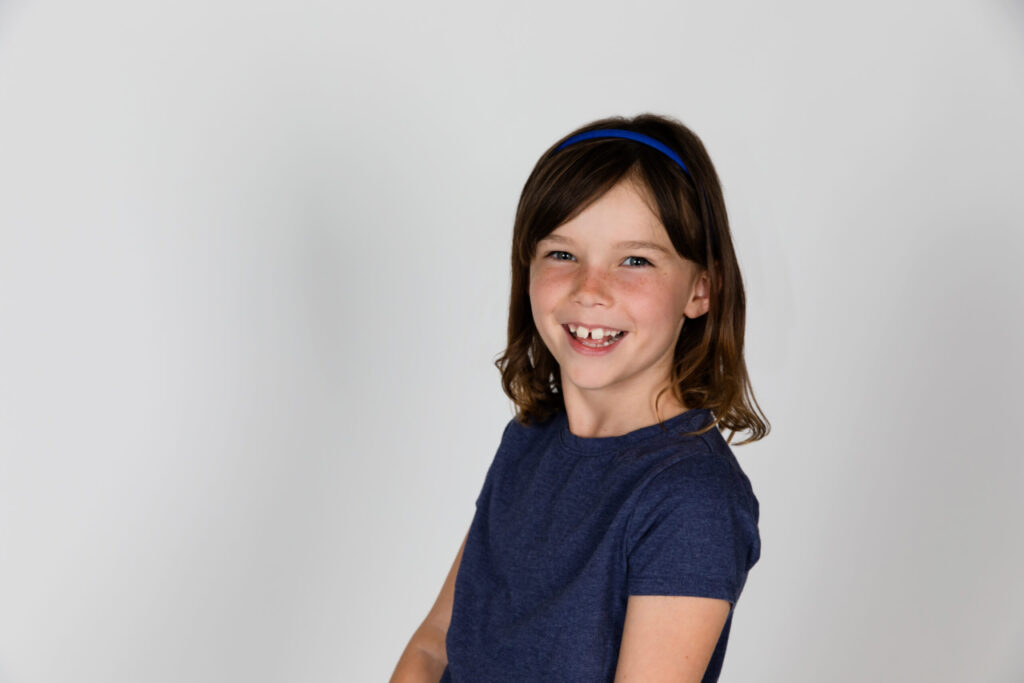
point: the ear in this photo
(700, 299)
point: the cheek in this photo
(658, 301)
(543, 285)
(636, 287)
(535, 296)
(533, 291)
(643, 289)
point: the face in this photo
(593, 271)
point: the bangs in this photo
(566, 182)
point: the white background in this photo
(254, 276)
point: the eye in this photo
(640, 258)
(553, 253)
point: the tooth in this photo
(582, 332)
(597, 333)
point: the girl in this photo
(615, 529)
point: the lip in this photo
(585, 350)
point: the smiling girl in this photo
(615, 528)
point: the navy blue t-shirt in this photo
(567, 528)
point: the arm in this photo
(669, 638)
(691, 541)
(425, 657)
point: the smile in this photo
(593, 347)
(592, 331)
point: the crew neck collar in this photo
(687, 421)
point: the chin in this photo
(587, 382)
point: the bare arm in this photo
(669, 637)
(425, 657)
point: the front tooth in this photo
(597, 334)
(582, 332)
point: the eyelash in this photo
(648, 262)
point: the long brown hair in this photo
(708, 370)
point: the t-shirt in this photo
(567, 528)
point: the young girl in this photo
(615, 529)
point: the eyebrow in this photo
(628, 244)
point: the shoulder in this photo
(703, 464)
(518, 441)
(692, 485)
(698, 486)
(519, 435)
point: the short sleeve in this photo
(693, 532)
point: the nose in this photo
(591, 288)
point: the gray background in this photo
(254, 274)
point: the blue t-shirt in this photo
(567, 528)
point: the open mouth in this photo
(604, 342)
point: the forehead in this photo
(624, 214)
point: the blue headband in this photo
(628, 135)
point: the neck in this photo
(615, 416)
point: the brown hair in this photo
(708, 370)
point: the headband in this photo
(628, 135)
(636, 137)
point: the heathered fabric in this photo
(566, 528)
